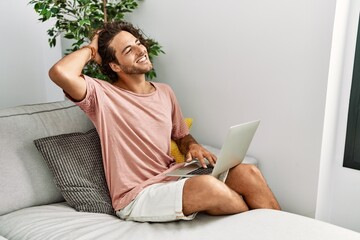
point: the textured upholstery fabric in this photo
(25, 180)
(76, 162)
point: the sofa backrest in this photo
(25, 179)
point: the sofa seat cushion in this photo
(59, 221)
(76, 163)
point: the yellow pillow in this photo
(175, 152)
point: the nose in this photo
(140, 49)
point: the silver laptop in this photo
(232, 153)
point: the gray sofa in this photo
(32, 206)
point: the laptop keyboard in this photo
(202, 171)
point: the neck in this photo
(135, 83)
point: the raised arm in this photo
(193, 150)
(66, 73)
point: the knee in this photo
(252, 170)
(254, 173)
(249, 173)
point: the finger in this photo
(97, 59)
(96, 34)
(214, 157)
(188, 157)
(211, 159)
(202, 161)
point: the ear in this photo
(115, 67)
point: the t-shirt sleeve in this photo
(89, 103)
(179, 127)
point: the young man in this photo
(135, 120)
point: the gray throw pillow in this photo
(76, 163)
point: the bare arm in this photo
(193, 150)
(66, 73)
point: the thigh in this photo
(160, 202)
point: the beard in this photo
(136, 70)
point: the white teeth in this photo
(143, 59)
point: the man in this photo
(135, 120)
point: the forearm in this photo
(70, 66)
(67, 72)
(185, 143)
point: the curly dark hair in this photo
(107, 53)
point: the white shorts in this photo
(160, 202)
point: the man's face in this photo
(131, 54)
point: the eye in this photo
(127, 50)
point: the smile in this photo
(142, 59)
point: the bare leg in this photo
(208, 194)
(245, 188)
(247, 180)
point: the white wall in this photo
(234, 61)
(339, 194)
(26, 57)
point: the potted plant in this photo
(77, 20)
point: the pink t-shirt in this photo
(135, 132)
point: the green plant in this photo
(77, 20)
